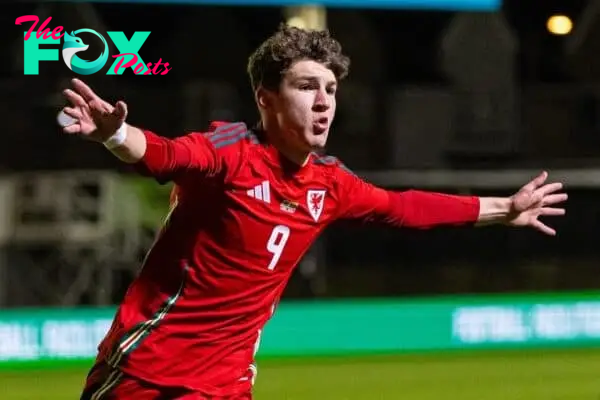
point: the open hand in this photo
(536, 199)
(95, 119)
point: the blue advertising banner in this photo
(442, 5)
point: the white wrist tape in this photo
(117, 139)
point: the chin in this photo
(318, 147)
(318, 142)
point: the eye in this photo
(331, 90)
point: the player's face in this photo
(305, 104)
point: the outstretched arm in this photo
(153, 155)
(420, 209)
(411, 208)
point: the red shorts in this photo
(108, 383)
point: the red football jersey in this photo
(242, 218)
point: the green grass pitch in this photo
(501, 375)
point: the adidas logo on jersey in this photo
(261, 192)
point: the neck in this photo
(276, 138)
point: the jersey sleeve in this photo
(203, 154)
(411, 208)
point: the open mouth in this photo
(321, 125)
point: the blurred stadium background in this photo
(457, 96)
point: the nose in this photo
(322, 101)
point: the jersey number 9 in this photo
(276, 243)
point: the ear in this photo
(263, 98)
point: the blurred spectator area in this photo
(429, 93)
(426, 90)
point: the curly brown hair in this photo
(288, 45)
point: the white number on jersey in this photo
(276, 243)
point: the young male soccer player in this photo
(249, 202)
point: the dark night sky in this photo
(527, 17)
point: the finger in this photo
(121, 111)
(551, 188)
(74, 98)
(536, 182)
(72, 129)
(84, 90)
(100, 110)
(540, 226)
(101, 114)
(73, 112)
(555, 199)
(551, 211)
(102, 106)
